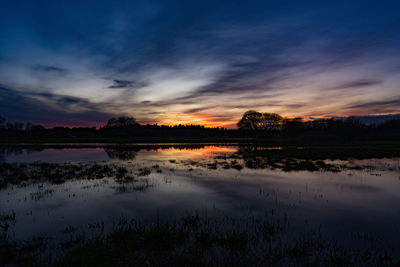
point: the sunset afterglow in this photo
(174, 62)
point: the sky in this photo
(78, 63)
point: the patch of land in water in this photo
(253, 156)
(41, 172)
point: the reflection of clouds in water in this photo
(15, 151)
(362, 188)
(319, 197)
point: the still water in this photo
(183, 179)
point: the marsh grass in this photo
(21, 174)
(8, 216)
(309, 158)
(286, 165)
(7, 220)
(144, 171)
(38, 195)
(26, 253)
(177, 245)
(197, 240)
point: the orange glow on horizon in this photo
(206, 121)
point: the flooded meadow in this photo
(273, 204)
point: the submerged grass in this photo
(287, 165)
(26, 253)
(305, 158)
(197, 241)
(21, 173)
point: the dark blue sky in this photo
(205, 62)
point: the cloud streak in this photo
(359, 83)
(58, 110)
(388, 106)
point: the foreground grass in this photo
(199, 241)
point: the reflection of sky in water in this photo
(188, 153)
(99, 154)
(356, 201)
(59, 155)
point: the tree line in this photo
(253, 124)
(257, 121)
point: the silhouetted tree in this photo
(121, 122)
(250, 120)
(320, 123)
(295, 121)
(2, 122)
(294, 125)
(391, 125)
(18, 126)
(28, 126)
(37, 128)
(271, 121)
(354, 122)
(253, 120)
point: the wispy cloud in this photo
(48, 69)
(394, 103)
(119, 84)
(58, 110)
(359, 83)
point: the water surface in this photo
(178, 180)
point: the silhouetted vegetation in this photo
(122, 122)
(254, 126)
(256, 121)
